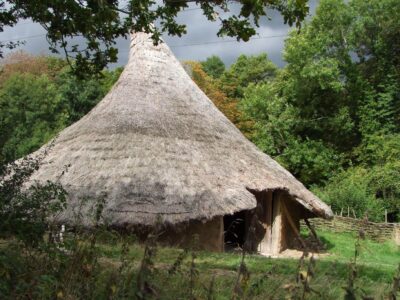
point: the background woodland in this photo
(331, 116)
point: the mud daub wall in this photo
(375, 231)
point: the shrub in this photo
(351, 189)
(25, 211)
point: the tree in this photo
(331, 115)
(247, 69)
(213, 66)
(321, 78)
(80, 95)
(39, 96)
(31, 112)
(101, 22)
(338, 98)
(228, 106)
(276, 121)
(22, 62)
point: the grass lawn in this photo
(271, 278)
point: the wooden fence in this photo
(376, 231)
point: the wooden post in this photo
(348, 211)
(313, 232)
(267, 223)
(341, 212)
(276, 230)
(293, 225)
(386, 216)
(354, 214)
(221, 234)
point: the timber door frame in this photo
(271, 244)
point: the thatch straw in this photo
(160, 149)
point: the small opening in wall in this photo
(234, 230)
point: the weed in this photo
(396, 285)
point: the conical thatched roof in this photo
(159, 148)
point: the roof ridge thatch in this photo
(157, 146)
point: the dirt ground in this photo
(292, 253)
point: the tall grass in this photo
(104, 264)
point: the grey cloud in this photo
(200, 32)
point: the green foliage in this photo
(31, 112)
(385, 185)
(351, 189)
(380, 109)
(226, 87)
(22, 63)
(24, 212)
(379, 149)
(246, 70)
(315, 79)
(339, 98)
(274, 119)
(336, 104)
(310, 160)
(42, 99)
(213, 66)
(372, 186)
(81, 95)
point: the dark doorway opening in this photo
(234, 230)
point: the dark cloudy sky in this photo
(200, 41)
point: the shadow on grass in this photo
(327, 244)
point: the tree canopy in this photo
(247, 70)
(335, 106)
(39, 96)
(100, 22)
(213, 66)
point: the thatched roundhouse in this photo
(160, 152)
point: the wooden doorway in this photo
(280, 218)
(272, 222)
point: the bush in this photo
(25, 211)
(384, 183)
(351, 189)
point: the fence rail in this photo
(351, 213)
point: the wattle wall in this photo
(375, 231)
